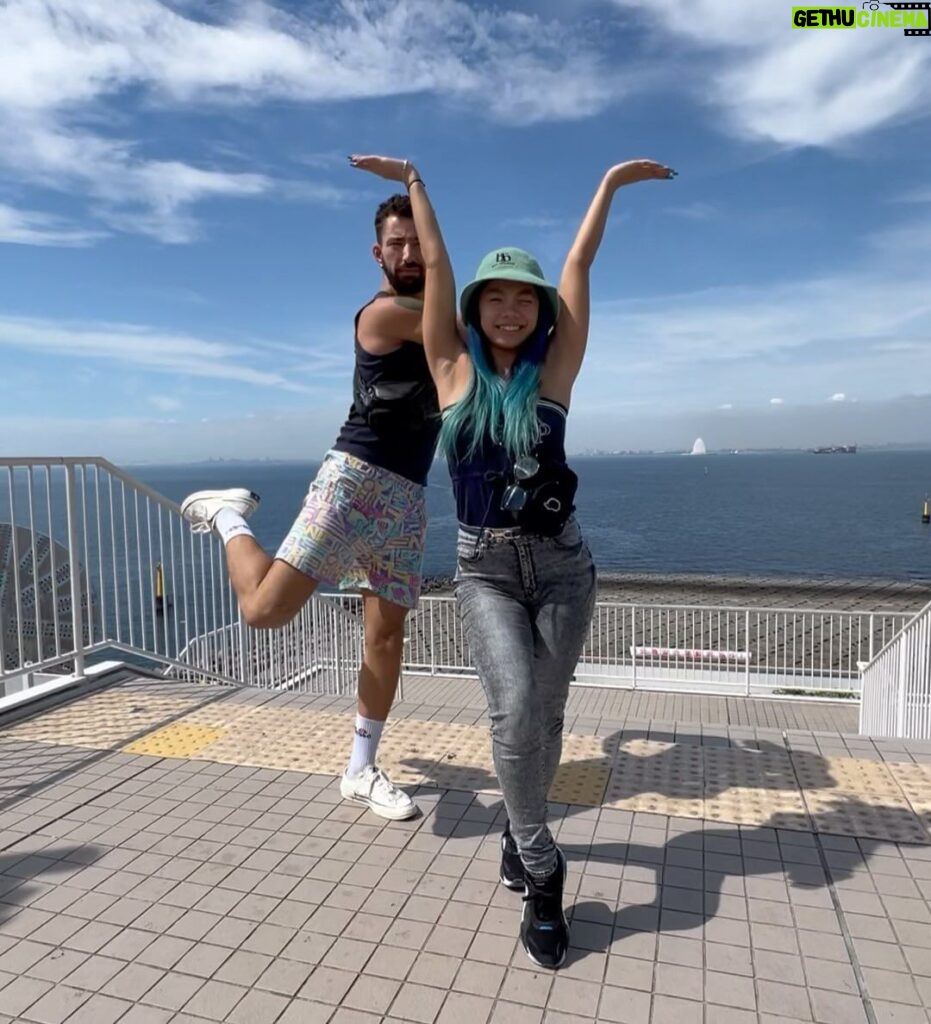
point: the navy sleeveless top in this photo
(407, 451)
(479, 480)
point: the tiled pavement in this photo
(143, 889)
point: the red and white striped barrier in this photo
(691, 654)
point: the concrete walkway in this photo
(144, 888)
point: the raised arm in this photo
(571, 335)
(446, 354)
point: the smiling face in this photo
(508, 312)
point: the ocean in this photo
(782, 513)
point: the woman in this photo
(525, 580)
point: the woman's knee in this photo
(516, 730)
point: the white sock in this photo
(229, 523)
(364, 744)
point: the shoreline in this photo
(789, 592)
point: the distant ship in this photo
(698, 448)
(836, 449)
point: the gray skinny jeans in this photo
(526, 604)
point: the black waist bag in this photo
(550, 496)
(396, 405)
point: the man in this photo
(363, 522)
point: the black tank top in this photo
(479, 480)
(407, 451)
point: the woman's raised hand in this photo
(632, 171)
(385, 167)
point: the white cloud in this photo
(62, 63)
(743, 344)
(772, 82)
(726, 405)
(28, 227)
(839, 396)
(161, 351)
(776, 401)
(152, 197)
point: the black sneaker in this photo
(512, 869)
(544, 931)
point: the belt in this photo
(495, 534)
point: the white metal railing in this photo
(896, 684)
(81, 546)
(84, 541)
(690, 648)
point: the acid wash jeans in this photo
(526, 603)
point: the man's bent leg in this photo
(270, 592)
(378, 683)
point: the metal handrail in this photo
(896, 684)
(83, 543)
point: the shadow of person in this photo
(682, 883)
(24, 876)
(636, 773)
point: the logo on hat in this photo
(503, 257)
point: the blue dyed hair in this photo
(505, 410)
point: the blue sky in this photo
(183, 246)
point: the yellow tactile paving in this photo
(584, 771)
(753, 784)
(860, 798)
(102, 720)
(651, 776)
(748, 786)
(176, 741)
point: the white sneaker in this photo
(374, 789)
(201, 507)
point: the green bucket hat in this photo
(509, 264)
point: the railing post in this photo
(901, 682)
(435, 607)
(747, 649)
(870, 658)
(633, 643)
(77, 613)
(244, 658)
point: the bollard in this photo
(159, 589)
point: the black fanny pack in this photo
(396, 405)
(549, 503)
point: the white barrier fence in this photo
(896, 699)
(95, 563)
(696, 649)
